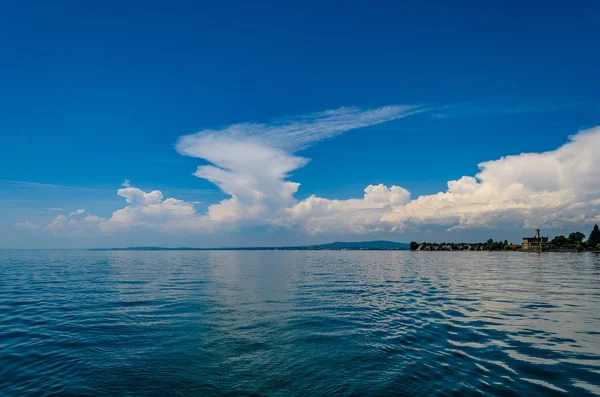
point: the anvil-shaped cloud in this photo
(253, 161)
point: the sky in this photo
(212, 124)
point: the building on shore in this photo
(534, 243)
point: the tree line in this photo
(577, 240)
(574, 240)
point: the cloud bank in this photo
(253, 164)
(550, 189)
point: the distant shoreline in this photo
(276, 249)
(380, 245)
(249, 249)
(319, 249)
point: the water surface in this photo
(286, 323)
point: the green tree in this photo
(414, 245)
(576, 237)
(559, 241)
(594, 238)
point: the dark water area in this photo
(299, 323)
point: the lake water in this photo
(298, 323)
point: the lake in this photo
(298, 323)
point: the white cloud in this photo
(295, 133)
(553, 189)
(26, 226)
(59, 223)
(320, 215)
(73, 223)
(251, 162)
(151, 210)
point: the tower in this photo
(537, 233)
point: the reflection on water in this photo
(299, 323)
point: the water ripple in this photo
(298, 323)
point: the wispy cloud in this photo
(26, 226)
(33, 184)
(165, 161)
(48, 186)
(298, 132)
(480, 110)
(194, 191)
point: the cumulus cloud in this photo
(149, 209)
(552, 189)
(320, 215)
(59, 223)
(72, 223)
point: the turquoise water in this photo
(284, 323)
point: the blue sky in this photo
(93, 94)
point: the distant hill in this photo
(358, 245)
(363, 245)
